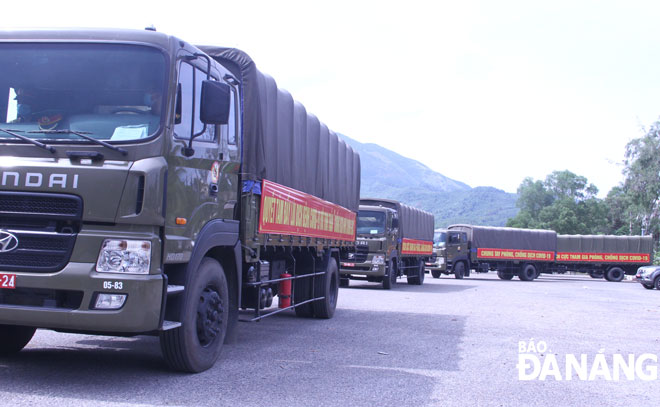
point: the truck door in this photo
(456, 246)
(202, 182)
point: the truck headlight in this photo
(124, 256)
(378, 259)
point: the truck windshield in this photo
(370, 223)
(440, 239)
(111, 92)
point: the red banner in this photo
(513, 254)
(288, 211)
(411, 246)
(604, 257)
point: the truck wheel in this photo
(657, 283)
(14, 338)
(389, 279)
(196, 344)
(344, 282)
(416, 276)
(615, 274)
(435, 273)
(504, 275)
(459, 270)
(528, 273)
(328, 285)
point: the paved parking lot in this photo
(447, 342)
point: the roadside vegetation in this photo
(567, 203)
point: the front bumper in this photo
(65, 300)
(646, 279)
(364, 269)
(438, 265)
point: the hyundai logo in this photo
(8, 242)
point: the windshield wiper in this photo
(83, 134)
(11, 132)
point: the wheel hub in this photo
(209, 316)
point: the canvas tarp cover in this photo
(604, 244)
(489, 237)
(283, 143)
(413, 223)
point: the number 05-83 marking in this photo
(8, 281)
(113, 285)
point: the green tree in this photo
(564, 202)
(642, 183)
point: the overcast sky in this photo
(484, 92)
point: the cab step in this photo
(174, 289)
(167, 325)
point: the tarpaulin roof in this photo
(413, 223)
(284, 143)
(604, 244)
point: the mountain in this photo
(386, 174)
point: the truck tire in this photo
(656, 283)
(615, 274)
(417, 276)
(328, 285)
(459, 270)
(435, 273)
(528, 273)
(389, 279)
(14, 338)
(196, 344)
(503, 275)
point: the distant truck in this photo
(611, 257)
(150, 186)
(393, 240)
(524, 253)
(450, 249)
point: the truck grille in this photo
(45, 225)
(361, 253)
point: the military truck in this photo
(606, 256)
(450, 249)
(393, 240)
(150, 186)
(511, 251)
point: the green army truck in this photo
(393, 240)
(149, 186)
(511, 251)
(450, 249)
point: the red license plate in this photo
(8, 281)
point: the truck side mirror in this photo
(215, 102)
(395, 223)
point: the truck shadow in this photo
(402, 286)
(383, 349)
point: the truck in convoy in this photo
(606, 256)
(393, 240)
(526, 253)
(511, 251)
(149, 186)
(449, 246)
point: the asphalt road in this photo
(448, 342)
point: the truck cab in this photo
(450, 248)
(374, 246)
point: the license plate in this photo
(8, 281)
(348, 264)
